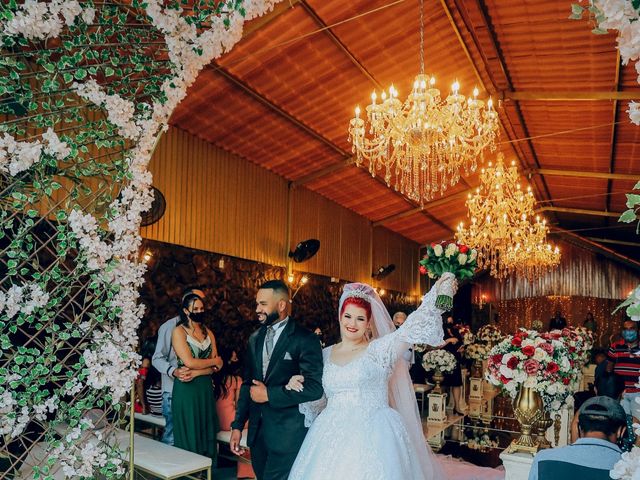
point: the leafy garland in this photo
(86, 89)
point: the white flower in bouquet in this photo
(437, 249)
(473, 254)
(450, 250)
(439, 360)
(462, 258)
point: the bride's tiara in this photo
(359, 291)
(358, 294)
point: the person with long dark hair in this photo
(195, 421)
(227, 383)
(453, 344)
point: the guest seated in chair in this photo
(601, 424)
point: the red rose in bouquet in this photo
(516, 342)
(512, 363)
(529, 350)
(552, 367)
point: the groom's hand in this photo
(234, 442)
(259, 392)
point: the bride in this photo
(368, 426)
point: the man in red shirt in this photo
(624, 360)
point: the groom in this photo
(276, 352)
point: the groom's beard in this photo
(272, 317)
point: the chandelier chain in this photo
(422, 36)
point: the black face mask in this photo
(272, 317)
(198, 317)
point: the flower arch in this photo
(86, 90)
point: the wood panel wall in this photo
(221, 203)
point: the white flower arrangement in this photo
(489, 334)
(477, 351)
(628, 466)
(482, 442)
(439, 360)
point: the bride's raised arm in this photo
(424, 326)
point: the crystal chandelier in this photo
(502, 227)
(423, 144)
(533, 256)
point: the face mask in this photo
(272, 317)
(630, 335)
(197, 317)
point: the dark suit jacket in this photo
(281, 422)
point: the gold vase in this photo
(438, 377)
(528, 408)
(541, 426)
(476, 369)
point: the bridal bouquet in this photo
(477, 352)
(439, 360)
(460, 260)
(532, 360)
(489, 334)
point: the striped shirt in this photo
(627, 364)
(154, 400)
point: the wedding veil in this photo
(401, 394)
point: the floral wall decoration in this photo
(621, 16)
(86, 90)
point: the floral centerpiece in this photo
(439, 361)
(482, 442)
(477, 352)
(538, 361)
(460, 260)
(579, 342)
(490, 334)
(536, 372)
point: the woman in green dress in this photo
(195, 422)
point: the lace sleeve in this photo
(424, 326)
(311, 410)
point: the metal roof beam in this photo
(582, 174)
(580, 211)
(569, 96)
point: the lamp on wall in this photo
(296, 282)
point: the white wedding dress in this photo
(358, 435)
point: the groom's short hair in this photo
(278, 287)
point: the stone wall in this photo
(230, 286)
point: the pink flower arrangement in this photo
(530, 359)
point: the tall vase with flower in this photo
(536, 372)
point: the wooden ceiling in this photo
(283, 97)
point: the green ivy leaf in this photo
(80, 74)
(628, 216)
(633, 199)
